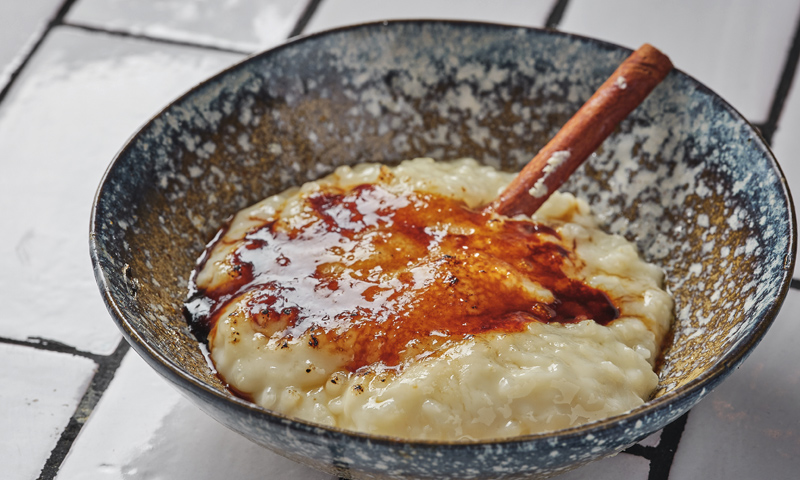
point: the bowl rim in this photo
(697, 386)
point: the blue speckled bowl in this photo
(685, 177)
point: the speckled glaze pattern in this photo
(685, 177)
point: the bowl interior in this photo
(685, 177)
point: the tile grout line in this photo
(300, 25)
(138, 36)
(664, 455)
(39, 343)
(56, 19)
(556, 14)
(107, 365)
(311, 8)
(770, 126)
(107, 368)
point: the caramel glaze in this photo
(377, 275)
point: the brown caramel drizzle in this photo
(378, 274)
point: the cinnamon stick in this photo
(623, 91)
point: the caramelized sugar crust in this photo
(376, 274)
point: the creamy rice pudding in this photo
(383, 300)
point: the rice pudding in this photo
(382, 300)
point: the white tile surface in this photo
(34, 413)
(786, 146)
(653, 440)
(142, 428)
(246, 25)
(334, 13)
(736, 47)
(749, 427)
(629, 467)
(75, 105)
(83, 94)
(21, 23)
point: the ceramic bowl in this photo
(685, 177)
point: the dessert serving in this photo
(383, 300)
(685, 178)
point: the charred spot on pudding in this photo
(236, 270)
